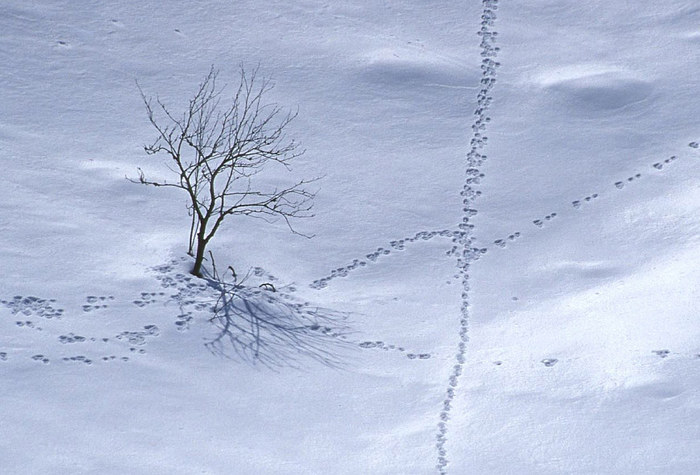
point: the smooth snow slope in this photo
(582, 342)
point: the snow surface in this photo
(559, 335)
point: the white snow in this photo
(580, 347)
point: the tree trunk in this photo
(199, 257)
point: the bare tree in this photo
(217, 146)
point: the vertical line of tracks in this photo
(468, 254)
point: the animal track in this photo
(422, 356)
(458, 236)
(41, 358)
(325, 330)
(464, 250)
(502, 242)
(96, 303)
(540, 222)
(134, 338)
(139, 337)
(395, 245)
(621, 184)
(380, 345)
(78, 359)
(71, 338)
(549, 362)
(109, 358)
(183, 321)
(660, 165)
(148, 298)
(190, 294)
(463, 234)
(189, 291)
(578, 203)
(31, 305)
(27, 324)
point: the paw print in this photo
(549, 362)
(96, 303)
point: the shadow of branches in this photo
(262, 325)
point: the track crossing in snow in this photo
(464, 246)
(467, 253)
(456, 235)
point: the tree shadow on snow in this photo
(262, 325)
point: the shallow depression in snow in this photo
(413, 67)
(594, 89)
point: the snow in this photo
(569, 346)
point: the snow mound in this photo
(594, 88)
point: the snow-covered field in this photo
(509, 219)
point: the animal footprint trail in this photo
(96, 303)
(28, 324)
(190, 296)
(466, 253)
(462, 235)
(372, 257)
(666, 353)
(41, 358)
(380, 345)
(579, 204)
(33, 307)
(71, 338)
(183, 321)
(30, 305)
(139, 337)
(148, 298)
(502, 242)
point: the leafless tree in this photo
(217, 146)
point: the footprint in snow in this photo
(148, 298)
(578, 204)
(95, 303)
(78, 359)
(32, 305)
(28, 324)
(372, 257)
(71, 338)
(549, 362)
(41, 358)
(380, 345)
